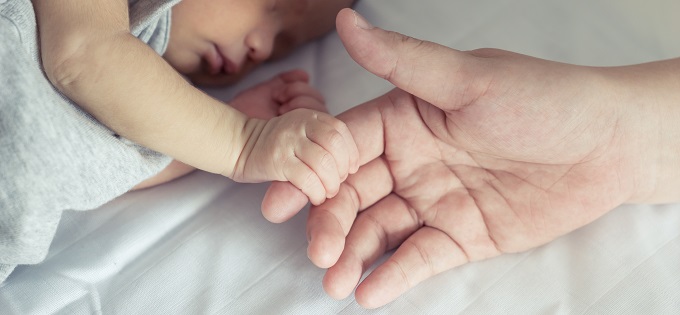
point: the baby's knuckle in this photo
(327, 161)
(309, 182)
(339, 125)
(336, 141)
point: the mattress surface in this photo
(200, 245)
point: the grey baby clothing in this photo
(53, 155)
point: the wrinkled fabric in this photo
(54, 156)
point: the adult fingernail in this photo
(361, 22)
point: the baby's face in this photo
(217, 41)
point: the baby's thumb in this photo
(432, 72)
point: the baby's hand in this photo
(278, 95)
(312, 150)
(299, 94)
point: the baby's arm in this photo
(89, 54)
(266, 100)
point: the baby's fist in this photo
(314, 151)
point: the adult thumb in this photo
(437, 74)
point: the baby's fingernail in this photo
(361, 22)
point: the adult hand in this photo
(475, 154)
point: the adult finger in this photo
(442, 76)
(282, 201)
(377, 230)
(424, 254)
(329, 223)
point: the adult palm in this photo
(475, 154)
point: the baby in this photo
(136, 111)
(210, 40)
(281, 94)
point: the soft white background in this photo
(201, 246)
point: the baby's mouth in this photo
(218, 63)
(214, 61)
(228, 66)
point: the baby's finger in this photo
(302, 102)
(346, 149)
(323, 163)
(296, 89)
(326, 133)
(305, 179)
(294, 75)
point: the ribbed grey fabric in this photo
(54, 156)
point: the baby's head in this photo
(217, 41)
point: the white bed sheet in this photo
(200, 245)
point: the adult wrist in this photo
(651, 106)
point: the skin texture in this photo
(282, 93)
(246, 33)
(163, 112)
(205, 35)
(509, 153)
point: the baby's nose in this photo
(260, 45)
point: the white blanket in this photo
(200, 245)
